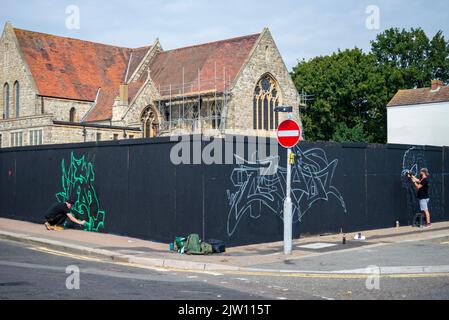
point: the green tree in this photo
(354, 134)
(409, 59)
(353, 88)
(439, 57)
(348, 88)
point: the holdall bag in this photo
(193, 244)
(218, 246)
(206, 248)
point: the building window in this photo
(16, 139)
(98, 136)
(72, 115)
(35, 137)
(150, 123)
(17, 98)
(6, 100)
(131, 136)
(115, 136)
(266, 98)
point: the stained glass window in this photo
(266, 98)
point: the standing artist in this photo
(422, 185)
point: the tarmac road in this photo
(32, 272)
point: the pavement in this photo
(392, 251)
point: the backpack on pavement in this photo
(193, 244)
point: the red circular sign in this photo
(288, 133)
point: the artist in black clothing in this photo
(422, 185)
(58, 213)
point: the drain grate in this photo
(14, 284)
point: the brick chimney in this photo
(124, 94)
(436, 84)
(120, 104)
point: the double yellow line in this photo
(250, 273)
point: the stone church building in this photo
(62, 90)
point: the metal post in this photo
(288, 215)
(169, 124)
(288, 218)
(214, 119)
(183, 99)
(199, 102)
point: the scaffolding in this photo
(305, 98)
(194, 107)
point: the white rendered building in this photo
(420, 116)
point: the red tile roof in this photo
(75, 69)
(136, 59)
(70, 68)
(419, 96)
(210, 58)
(103, 108)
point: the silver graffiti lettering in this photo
(261, 184)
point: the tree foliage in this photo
(351, 88)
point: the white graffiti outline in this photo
(312, 179)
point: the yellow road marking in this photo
(65, 254)
(447, 242)
(336, 275)
(85, 258)
(247, 273)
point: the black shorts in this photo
(57, 219)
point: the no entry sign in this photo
(288, 133)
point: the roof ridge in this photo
(423, 88)
(211, 42)
(142, 48)
(81, 40)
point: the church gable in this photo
(265, 63)
(140, 60)
(15, 75)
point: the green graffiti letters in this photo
(77, 184)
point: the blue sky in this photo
(302, 29)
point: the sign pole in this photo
(288, 134)
(288, 218)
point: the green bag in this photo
(179, 242)
(193, 244)
(206, 248)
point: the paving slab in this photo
(263, 256)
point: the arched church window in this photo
(150, 123)
(266, 98)
(6, 99)
(17, 98)
(72, 115)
